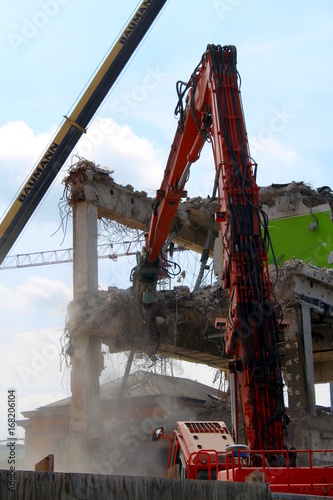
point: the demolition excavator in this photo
(210, 110)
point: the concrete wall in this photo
(68, 486)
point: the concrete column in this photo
(308, 359)
(299, 363)
(85, 417)
(295, 377)
(87, 364)
(331, 394)
(87, 359)
(85, 269)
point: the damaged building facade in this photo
(182, 322)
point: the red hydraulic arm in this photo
(213, 112)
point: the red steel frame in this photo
(310, 480)
(237, 465)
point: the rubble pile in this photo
(205, 303)
(178, 317)
(295, 196)
(113, 313)
(284, 290)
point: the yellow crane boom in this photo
(45, 171)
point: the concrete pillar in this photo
(308, 359)
(85, 268)
(295, 376)
(299, 363)
(331, 394)
(87, 364)
(87, 359)
(85, 411)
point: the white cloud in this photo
(276, 151)
(287, 155)
(28, 296)
(19, 143)
(31, 366)
(253, 49)
(277, 162)
(135, 159)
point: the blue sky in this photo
(49, 51)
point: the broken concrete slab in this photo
(296, 198)
(181, 323)
(133, 208)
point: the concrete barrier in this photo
(31, 485)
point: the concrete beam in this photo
(314, 286)
(133, 208)
(181, 324)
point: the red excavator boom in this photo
(213, 112)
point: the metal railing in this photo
(278, 467)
